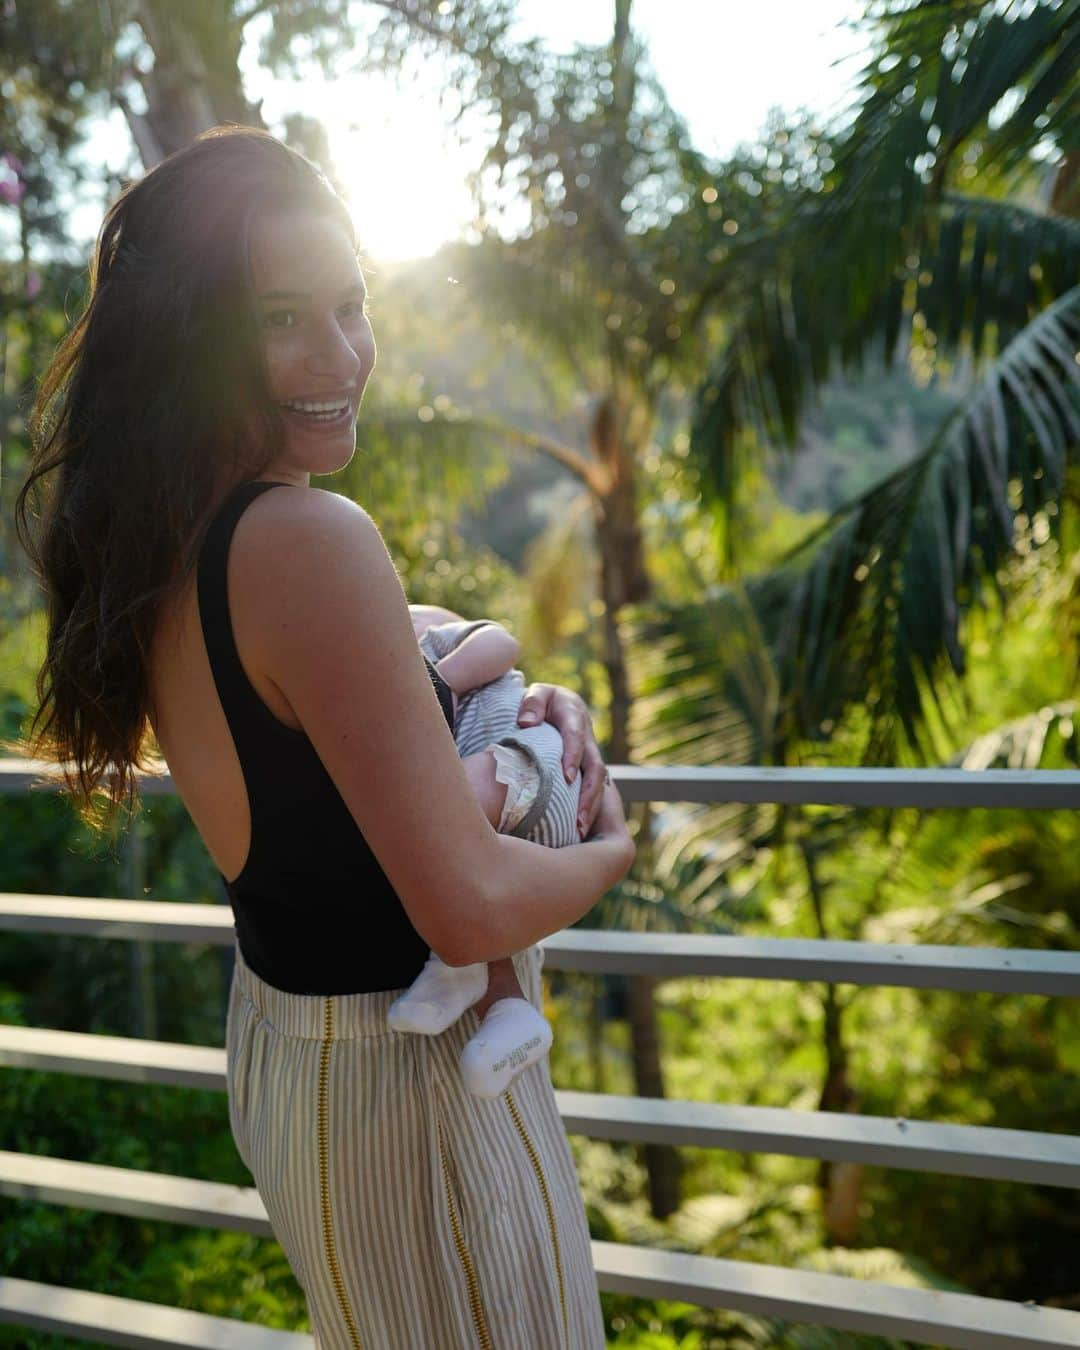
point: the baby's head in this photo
(419, 623)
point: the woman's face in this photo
(310, 303)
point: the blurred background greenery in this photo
(773, 456)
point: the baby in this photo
(516, 774)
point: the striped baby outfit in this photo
(488, 715)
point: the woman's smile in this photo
(327, 414)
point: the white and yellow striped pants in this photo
(414, 1215)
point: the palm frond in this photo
(945, 73)
(898, 566)
(884, 240)
(984, 269)
(538, 286)
(705, 691)
(682, 904)
(866, 608)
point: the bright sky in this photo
(724, 64)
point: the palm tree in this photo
(941, 227)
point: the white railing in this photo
(793, 1295)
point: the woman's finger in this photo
(593, 776)
(575, 727)
(565, 710)
(534, 704)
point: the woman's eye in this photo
(286, 318)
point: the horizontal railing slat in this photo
(937, 1316)
(131, 1323)
(140, 1195)
(1000, 970)
(1037, 789)
(125, 1058)
(928, 789)
(920, 1145)
(958, 1150)
(143, 920)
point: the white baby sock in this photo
(512, 1036)
(438, 996)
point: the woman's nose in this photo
(334, 354)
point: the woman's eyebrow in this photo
(356, 288)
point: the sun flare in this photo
(402, 170)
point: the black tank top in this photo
(314, 911)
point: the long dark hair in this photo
(156, 403)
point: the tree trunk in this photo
(624, 580)
(840, 1183)
(195, 81)
(1065, 195)
(661, 1161)
(618, 746)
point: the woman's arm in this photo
(484, 655)
(335, 636)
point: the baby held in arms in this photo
(517, 776)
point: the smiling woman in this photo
(195, 579)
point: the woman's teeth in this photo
(319, 412)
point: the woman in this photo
(196, 579)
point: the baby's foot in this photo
(437, 997)
(511, 1037)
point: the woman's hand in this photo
(566, 711)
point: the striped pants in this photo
(413, 1215)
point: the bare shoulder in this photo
(287, 541)
(272, 515)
